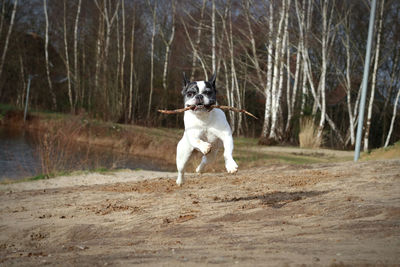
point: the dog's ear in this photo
(185, 80)
(212, 80)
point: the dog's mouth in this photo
(199, 107)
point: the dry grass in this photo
(308, 135)
(57, 148)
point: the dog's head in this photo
(202, 94)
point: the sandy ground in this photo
(279, 215)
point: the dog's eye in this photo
(208, 92)
(190, 94)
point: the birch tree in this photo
(3, 11)
(168, 42)
(76, 70)
(10, 27)
(46, 53)
(153, 34)
(396, 102)
(123, 56)
(195, 49)
(98, 59)
(347, 80)
(213, 46)
(374, 75)
(67, 66)
(109, 17)
(131, 63)
(267, 86)
(275, 91)
(197, 42)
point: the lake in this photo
(19, 157)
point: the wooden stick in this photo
(235, 110)
(211, 107)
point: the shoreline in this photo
(86, 179)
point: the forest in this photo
(284, 61)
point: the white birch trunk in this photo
(21, 96)
(325, 33)
(267, 88)
(192, 45)
(197, 42)
(100, 38)
(153, 34)
(130, 117)
(396, 102)
(76, 71)
(292, 98)
(3, 56)
(123, 57)
(46, 53)
(275, 79)
(5, 48)
(348, 81)
(213, 46)
(374, 74)
(168, 44)
(71, 102)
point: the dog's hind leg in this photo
(207, 159)
(183, 152)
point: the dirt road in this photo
(319, 214)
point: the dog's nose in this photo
(199, 97)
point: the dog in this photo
(206, 130)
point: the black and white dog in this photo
(205, 130)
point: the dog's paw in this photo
(200, 168)
(179, 181)
(205, 148)
(231, 166)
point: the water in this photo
(19, 157)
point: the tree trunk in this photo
(168, 44)
(46, 53)
(76, 70)
(3, 56)
(153, 34)
(292, 97)
(3, 11)
(122, 64)
(396, 102)
(374, 74)
(192, 45)
(213, 56)
(325, 37)
(71, 102)
(267, 88)
(130, 117)
(99, 43)
(197, 43)
(275, 79)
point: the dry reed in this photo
(308, 136)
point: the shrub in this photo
(308, 136)
(57, 148)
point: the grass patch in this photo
(390, 152)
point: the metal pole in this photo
(27, 96)
(365, 81)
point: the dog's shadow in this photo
(278, 199)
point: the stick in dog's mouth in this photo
(194, 107)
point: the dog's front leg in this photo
(184, 150)
(194, 139)
(230, 163)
